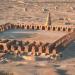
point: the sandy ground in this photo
(33, 35)
(45, 36)
(19, 11)
(30, 68)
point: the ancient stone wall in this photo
(63, 28)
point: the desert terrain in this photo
(23, 11)
(30, 11)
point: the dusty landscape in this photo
(35, 12)
(22, 11)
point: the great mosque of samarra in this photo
(52, 49)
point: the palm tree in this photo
(8, 45)
(15, 47)
(34, 43)
(20, 43)
(46, 44)
(27, 43)
(29, 48)
(40, 43)
(1, 48)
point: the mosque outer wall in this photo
(63, 28)
(64, 40)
